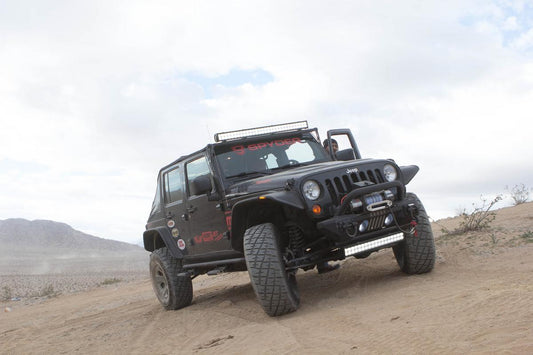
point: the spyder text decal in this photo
(241, 149)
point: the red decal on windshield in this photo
(241, 149)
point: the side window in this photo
(173, 186)
(197, 168)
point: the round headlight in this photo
(390, 172)
(311, 190)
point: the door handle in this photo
(191, 209)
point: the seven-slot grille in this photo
(341, 185)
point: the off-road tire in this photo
(172, 291)
(275, 288)
(416, 254)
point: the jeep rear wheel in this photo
(275, 288)
(416, 254)
(174, 291)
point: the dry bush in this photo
(527, 236)
(480, 217)
(110, 281)
(48, 291)
(519, 193)
(7, 294)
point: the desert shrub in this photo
(48, 291)
(112, 281)
(480, 217)
(519, 193)
(7, 294)
(527, 236)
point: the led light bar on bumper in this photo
(373, 244)
(242, 133)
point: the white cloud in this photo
(511, 24)
(97, 93)
(524, 41)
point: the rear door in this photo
(173, 181)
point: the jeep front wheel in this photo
(174, 291)
(416, 254)
(265, 256)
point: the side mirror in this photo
(201, 185)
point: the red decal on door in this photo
(228, 219)
(209, 236)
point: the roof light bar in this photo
(356, 249)
(224, 136)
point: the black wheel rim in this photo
(160, 283)
(290, 275)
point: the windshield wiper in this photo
(262, 173)
(289, 166)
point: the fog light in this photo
(389, 219)
(363, 226)
(355, 204)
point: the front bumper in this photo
(372, 242)
(369, 223)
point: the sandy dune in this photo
(479, 299)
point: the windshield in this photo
(263, 156)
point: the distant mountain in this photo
(22, 233)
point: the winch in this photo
(373, 202)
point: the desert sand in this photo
(478, 299)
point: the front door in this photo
(207, 222)
(347, 148)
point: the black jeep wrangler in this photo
(272, 200)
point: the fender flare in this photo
(240, 211)
(159, 237)
(409, 172)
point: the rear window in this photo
(173, 186)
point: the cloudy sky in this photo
(96, 96)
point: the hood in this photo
(279, 180)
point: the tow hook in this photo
(413, 230)
(414, 212)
